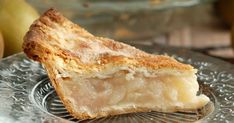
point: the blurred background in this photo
(201, 25)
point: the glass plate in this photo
(27, 96)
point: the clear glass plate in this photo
(27, 96)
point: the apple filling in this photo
(118, 93)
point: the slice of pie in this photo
(97, 77)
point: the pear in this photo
(15, 18)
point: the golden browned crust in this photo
(36, 45)
(49, 37)
(1, 45)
